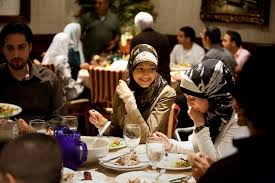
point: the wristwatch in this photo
(199, 128)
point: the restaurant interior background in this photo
(49, 17)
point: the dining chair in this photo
(172, 120)
(80, 108)
(186, 130)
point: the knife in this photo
(116, 157)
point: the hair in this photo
(253, 89)
(214, 34)
(144, 20)
(32, 158)
(16, 28)
(235, 36)
(189, 32)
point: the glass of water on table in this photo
(155, 151)
(70, 122)
(38, 125)
(132, 135)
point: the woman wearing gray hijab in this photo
(207, 87)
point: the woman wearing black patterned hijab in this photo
(144, 99)
(207, 87)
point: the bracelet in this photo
(168, 150)
(199, 128)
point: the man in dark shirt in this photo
(211, 38)
(144, 23)
(101, 30)
(32, 87)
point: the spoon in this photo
(101, 132)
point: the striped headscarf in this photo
(211, 80)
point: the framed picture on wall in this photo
(236, 11)
(15, 11)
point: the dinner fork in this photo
(162, 171)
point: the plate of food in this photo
(174, 162)
(144, 177)
(125, 162)
(116, 143)
(9, 110)
(180, 67)
(89, 176)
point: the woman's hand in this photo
(200, 163)
(97, 119)
(123, 90)
(196, 116)
(163, 139)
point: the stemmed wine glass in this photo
(132, 135)
(155, 151)
(70, 122)
(38, 125)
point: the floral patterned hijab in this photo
(144, 96)
(211, 80)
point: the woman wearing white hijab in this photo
(75, 52)
(57, 54)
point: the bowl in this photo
(97, 149)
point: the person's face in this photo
(226, 42)
(205, 40)
(242, 120)
(16, 50)
(198, 104)
(145, 73)
(101, 7)
(181, 37)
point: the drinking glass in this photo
(155, 151)
(38, 125)
(132, 135)
(51, 125)
(70, 122)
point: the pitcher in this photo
(70, 144)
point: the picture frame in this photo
(236, 11)
(24, 15)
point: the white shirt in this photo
(223, 145)
(193, 56)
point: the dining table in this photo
(112, 174)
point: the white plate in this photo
(97, 177)
(149, 177)
(15, 110)
(169, 162)
(112, 139)
(179, 68)
(111, 165)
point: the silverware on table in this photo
(116, 157)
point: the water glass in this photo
(70, 122)
(155, 151)
(132, 135)
(38, 125)
(52, 124)
(8, 129)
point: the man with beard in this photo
(32, 87)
